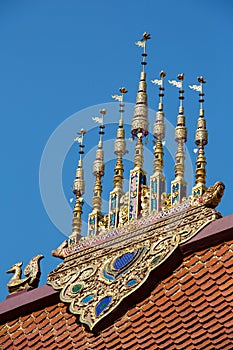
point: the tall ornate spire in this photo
(120, 151)
(178, 185)
(201, 140)
(140, 123)
(157, 180)
(98, 172)
(139, 129)
(78, 190)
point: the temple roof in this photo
(190, 308)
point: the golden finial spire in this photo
(157, 180)
(98, 172)
(159, 127)
(78, 190)
(178, 185)
(120, 144)
(139, 129)
(120, 151)
(140, 123)
(201, 140)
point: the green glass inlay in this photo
(156, 259)
(76, 288)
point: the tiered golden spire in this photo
(178, 185)
(120, 144)
(139, 129)
(157, 180)
(98, 172)
(140, 123)
(78, 190)
(201, 140)
(120, 151)
(159, 127)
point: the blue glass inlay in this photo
(87, 298)
(92, 221)
(109, 277)
(154, 204)
(113, 202)
(101, 306)
(154, 185)
(123, 260)
(141, 179)
(131, 282)
(175, 187)
(112, 219)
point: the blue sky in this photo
(59, 57)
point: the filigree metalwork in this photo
(101, 272)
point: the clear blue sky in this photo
(58, 57)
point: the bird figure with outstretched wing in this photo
(31, 271)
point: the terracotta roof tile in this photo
(185, 345)
(229, 332)
(189, 318)
(228, 298)
(167, 305)
(56, 318)
(136, 316)
(228, 284)
(29, 329)
(65, 345)
(36, 346)
(43, 324)
(181, 273)
(206, 255)
(13, 327)
(216, 267)
(197, 267)
(226, 318)
(130, 345)
(208, 318)
(28, 322)
(215, 332)
(8, 344)
(186, 279)
(154, 319)
(227, 257)
(212, 297)
(149, 344)
(46, 329)
(132, 311)
(19, 340)
(193, 329)
(221, 250)
(35, 335)
(227, 292)
(164, 339)
(140, 325)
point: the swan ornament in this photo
(31, 271)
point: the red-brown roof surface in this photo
(191, 309)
